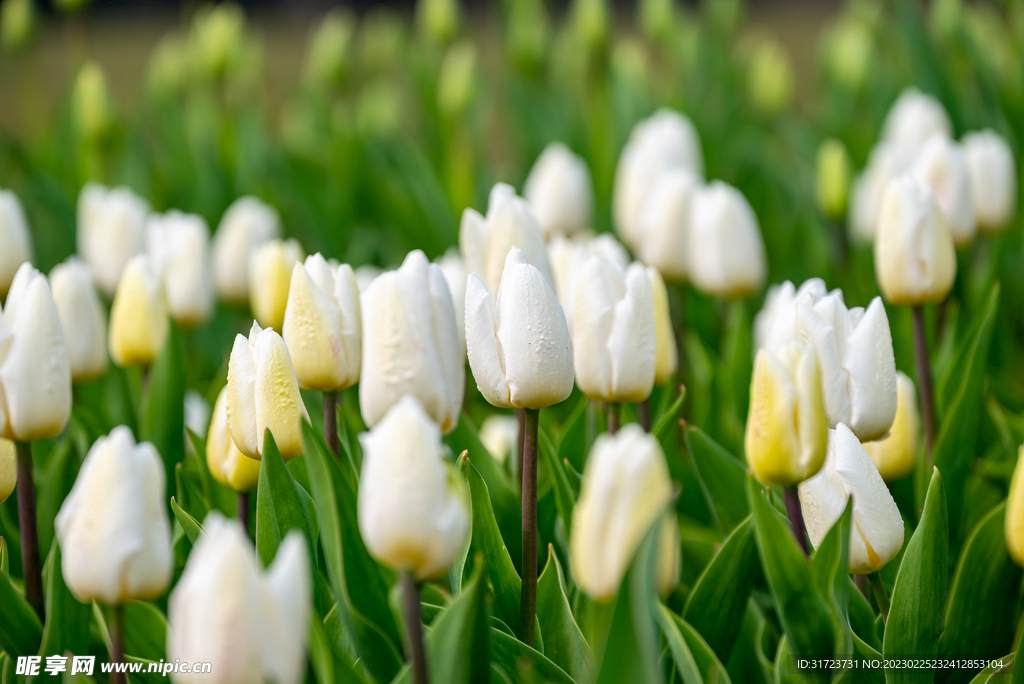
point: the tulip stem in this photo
(881, 597)
(644, 412)
(924, 384)
(529, 595)
(30, 567)
(520, 440)
(243, 511)
(331, 401)
(413, 626)
(796, 517)
(117, 642)
(614, 412)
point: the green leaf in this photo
(572, 445)
(721, 477)
(563, 641)
(67, 620)
(565, 498)
(281, 505)
(669, 416)
(189, 498)
(831, 562)
(217, 495)
(190, 525)
(5, 560)
(862, 617)
(686, 665)
(145, 631)
(327, 666)
(1000, 672)
(144, 676)
(520, 663)
(57, 479)
(918, 597)
(20, 629)
(162, 416)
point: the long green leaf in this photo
(162, 417)
(189, 525)
(685, 663)
(67, 620)
(831, 563)
(563, 641)
(145, 631)
(281, 505)
(20, 629)
(721, 477)
(520, 663)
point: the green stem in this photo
(411, 611)
(529, 594)
(243, 510)
(117, 643)
(30, 565)
(881, 597)
(614, 413)
(331, 401)
(796, 517)
(924, 384)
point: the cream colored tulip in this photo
(499, 433)
(366, 274)
(726, 251)
(993, 179)
(35, 373)
(82, 317)
(8, 468)
(246, 224)
(915, 257)
(227, 464)
(270, 271)
(15, 239)
(868, 191)
(876, 534)
(664, 228)
(567, 256)
(942, 165)
(560, 191)
(666, 354)
(787, 428)
(111, 230)
(896, 453)
(518, 344)
(625, 489)
(775, 323)
(250, 625)
(914, 118)
(455, 275)
(138, 317)
(113, 530)
(1015, 512)
(178, 245)
(413, 513)
(323, 325)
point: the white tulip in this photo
(625, 489)
(913, 119)
(876, 534)
(178, 245)
(8, 468)
(15, 238)
(111, 230)
(895, 454)
(868, 191)
(666, 360)
(411, 344)
(114, 534)
(665, 223)
(323, 325)
(197, 412)
(250, 625)
(455, 275)
(270, 272)
(227, 464)
(510, 222)
(138, 316)
(82, 318)
(499, 433)
(942, 166)
(366, 274)
(775, 323)
(35, 373)
(567, 256)
(993, 179)
(247, 223)
(518, 344)
(560, 191)
(726, 255)
(412, 510)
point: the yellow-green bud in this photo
(167, 66)
(329, 47)
(438, 19)
(848, 52)
(528, 33)
(657, 19)
(17, 23)
(216, 38)
(590, 22)
(91, 101)
(770, 78)
(833, 178)
(455, 83)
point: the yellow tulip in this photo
(138, 317)
(894, 456)
(227, 464)
(8, 469)
(1015, 512)
(270, 275)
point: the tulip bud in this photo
(726, 254)
(895, 454)
(8, 468)
(665, 223)
(263, 394)
(15, 239)
(670, 557)
(913, 119)
(942, 166)
(499, 433)
(625, 488)
(614, 339)
(35, 374)
(17, 23)
(227, 464)
(666, 355)
(270, 272)
(329, 46)
(876, 535)
(216, 38)
(455, 276)
(868, 191)
(849, 47)
(323, 325)
(250, 625)
(518, 344)
(411, 344)
(510, 222)
(412, 508)
(1015, 512)
(197, 412)
(82, 318)
(111, 230)
(168, 63)
(179, 248)
(90, 102)
(993, 179)
(567, 256)
(456, 80)
(560, 191)
(665, 141)
(438, 19)
(915, 257)
(787, 428)
(246, 224)
(833, 178)
(138, 316)
(770, 78)
(115, 538)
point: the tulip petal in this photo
(278, 404)
(482, 345)
(871, 369)
(813, 329)
(286, 595)
(631, 344)
(241, 398)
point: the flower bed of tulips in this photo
(518, 348)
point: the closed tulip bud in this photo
(1015, 512)
(15, 239)
(787, 428)
(567, 256)
(138, 316)
(560, 191)
(670, 557)
(832, 178)
(614, 342)
(666, 355)
(438, 19)
(17, 23)
(411, 344)
(915, 257)
(626, 488)
(726, 254)
(942, 166)
(270, 272)
(499, 434)
(455, 275)
(8, 468)
(90, 102)
(665, 223)
(115, 538)
(770, 78)
(913, 119)
(993, 179)
(510, 222)
(868, 191)
(82, 318)
(412, 508)
(323, 325)
(518, 344)
(111, 230)
(227, 464)
(35, 374)
(876, 535)
(455, 82)
(665, 141)
(246, 224)
(178, 245)
(250, 625)
(895, 454)
(263, 394)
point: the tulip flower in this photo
(227, 464)
(510, 222)
(455, 276)
(178, 245)
(82, 318)
(993, 179)
(567, 256)
(775, 323)
(666, 355)
(411, 344)
(832, 178)
(138, 317)
(664, 225)
(626, 488)
(560, 191)
(868, 191)
(8, 468)
(366, 274)
(250, 625)
(263, 394)
(913, 119)
(197, 412)
(246, 224)
(876, 535)
(942, 166)
(1015, 512)
(895, 454)
(15, 239)
(726, 253)
(111, 230)
(499, 433)
(270, 271)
